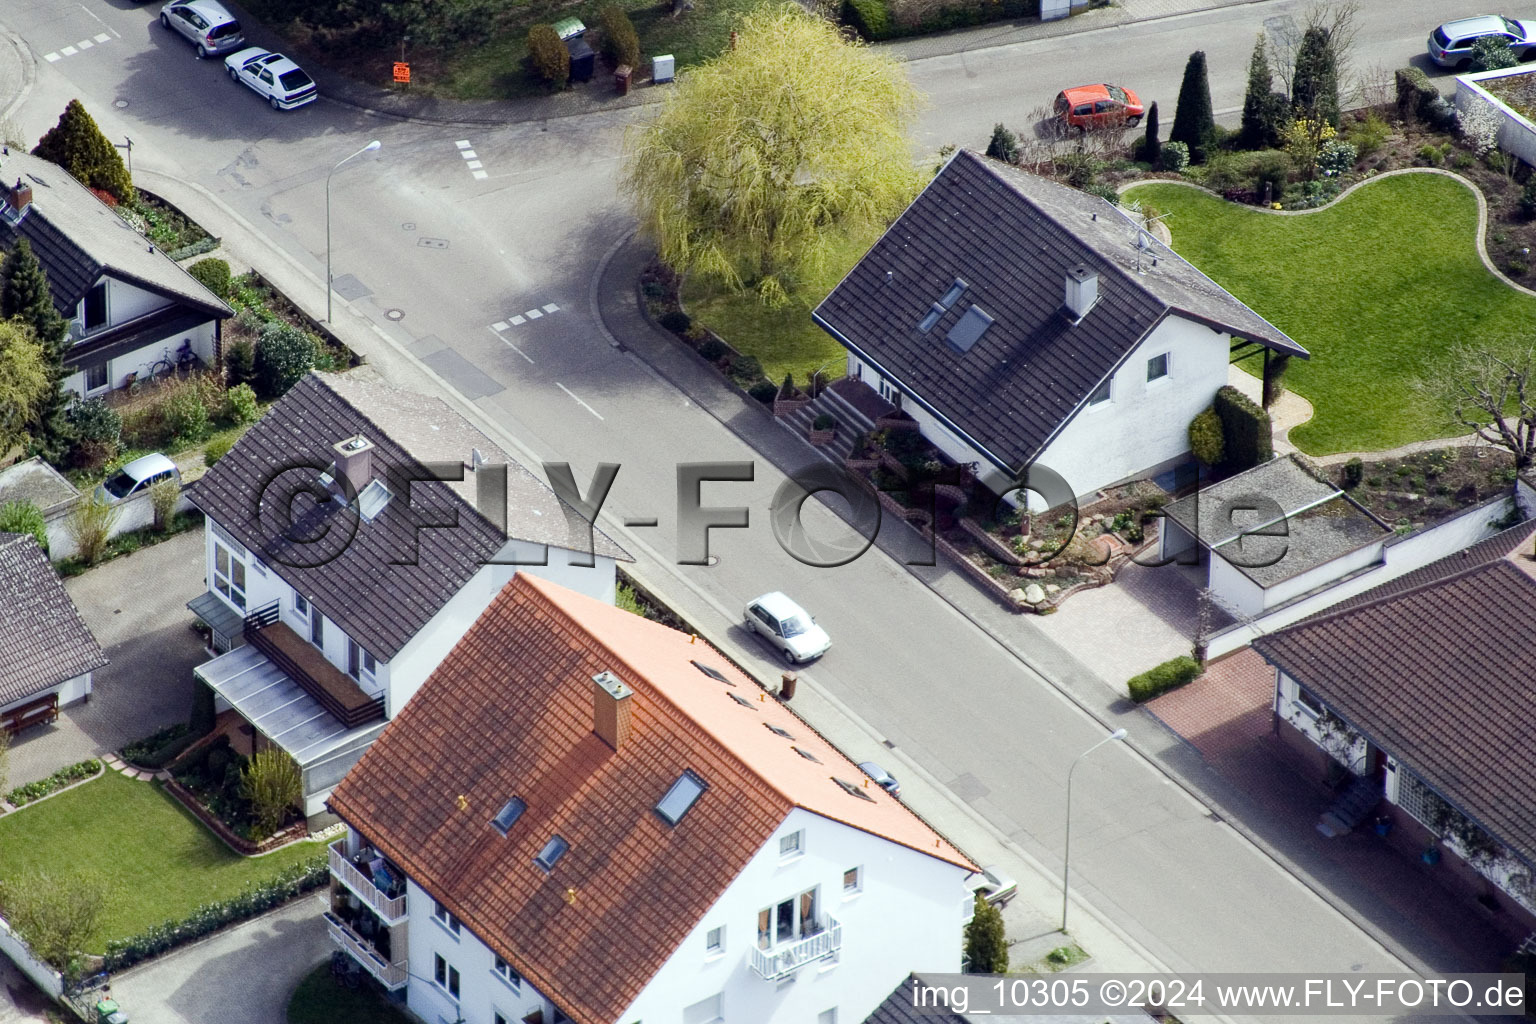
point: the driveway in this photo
(243, 975)
(135, 605)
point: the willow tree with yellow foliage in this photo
(763, 156)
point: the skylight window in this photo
(807, 754)
(934, 312)
(509, 813)
(553, 850)
(969, 329)
(687, 789)
(373, 499)
(713, 673)
(777, 731)
(739, 700)
(853, 790)
(953, 295)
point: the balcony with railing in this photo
(372, 881)
(302, 662)
(392, 975)
(785, 959)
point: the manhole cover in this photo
(394, 314)
(409, 225)
(119, 103)
(432, 243)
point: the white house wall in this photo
(70, 691)
(1345, 564)
(1304, 719)
(128, 302)
(908, 916)
(1144, 424)
(1233, 591)
(140, 360)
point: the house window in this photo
(792, 845)
(1416, 798)
(853, 881)
(441, 915)
(497, 1018)
(446, 975)
(95, 376)
(300, 605)
(789, 920)
(1307, 702)
(706, 1011)
(317, 628)
(359, 662)
(505, 972)
(228, 575)
(1157, 367)
(1100, 394)
(95, 314)
(714, 941)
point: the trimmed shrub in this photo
(1206, 441)
(549, 56)
(1167, 676)
(713, 349)
(825, 421)
(621, 43)
(763, 391)
(1414, 93)
(675, 321)
(747, 370)
(217, 449)
(284, 355)
(1175, 157)
(870, 18)
(1274, 170)
(1274, 370)
(162, 499)
(1259, 126)
(240, 404)
(159, 748)
(212, 274)
(1528, 198)
(1194, 124)
(1245, 430)
(1151, 147)
(787, 389)
(1004, 145)
(24, 517)
(239, 362)
(1354, 470)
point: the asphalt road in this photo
(433, 256)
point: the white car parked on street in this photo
(787, 627)
(280, 80)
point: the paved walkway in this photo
(1225, 715)
(135, 607)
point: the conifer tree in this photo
(77, 145)
(1194, 124)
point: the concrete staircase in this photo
(1350, 809)
(850, 421)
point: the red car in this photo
(1097, 106)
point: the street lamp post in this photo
(371, 147)
(1066, 855)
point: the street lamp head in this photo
(1118, 734)
(372, 146)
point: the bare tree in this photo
(1492, 390)
(1375, 87)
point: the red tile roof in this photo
(509, 713)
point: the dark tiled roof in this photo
(509, 712)
(43, 639)
(1484, 551)
(1442, 675)
(395, 572)
(77, 238)
(1011, 237)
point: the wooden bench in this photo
(24, 716)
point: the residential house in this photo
(47, 652)
(1422, 688)
(348, 571)
(600, 819)
(1026, 324)
(127, 304)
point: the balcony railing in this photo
(391, 976)
(392, 910)
(782, 961)
(306, 666)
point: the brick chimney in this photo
(19, 197)
(354, 462)
(611, 709)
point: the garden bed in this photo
(208, 781)
(172, 232)
(59, 780)
(1421, 489)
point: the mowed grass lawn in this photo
(1376, 288)
(785, 339)
(157, 861)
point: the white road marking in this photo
(518, 320)
(102, 37)
(551, 308)
(479, 175)
(467, 154)
(500, 325)
(519, 351)
(462, 143)
(68, 51)
(104, 25)
(533, 314)
(579, 402)
(85, 44)
(50, 57)
(474, 165)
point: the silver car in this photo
(1450, 45)
(137, 477)
(210, 27)
(787, 627)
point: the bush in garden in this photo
(870, 18)
(240, 404)
(1151, 148)
(1414, 93)
(1108, 193)
(1273, 170)
(272, 783)
(763, 391)
(1439, 114)
(1175, 157)
(621, 43)
(824, 421)
(1493, 53)
(186, 417)
(1079, 169)
(1354, 470)
(162, 498)
(239, 362)
(1336, 158)
(90, 525)
(1206, 441)
(549, 56)
(284, 354)
(1004, 145)
(212, 274)
(675, 321)
(55, 914)
(1245, 429)
(1528, 198)
(1478, 126)
(1259, 127)
(747, 370)
(96, 431)
(217, 449)
(713, 349)
(24, 517)
(1165, 677)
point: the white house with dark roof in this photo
(47, 652)
(127, 304)
(1024, 323)
(341, 568)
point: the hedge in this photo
(160, 748)
(1206, 442)
(549, 56)
(1245, 430)
(1415, 93)
(1165, 677)
(255, 899)
(870, 18)
(58, 780)
(621, 44)
(875, 19)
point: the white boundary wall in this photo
(1517, 135)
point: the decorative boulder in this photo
(1034, 594)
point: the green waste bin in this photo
(108, 1013)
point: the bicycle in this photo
(185, 359)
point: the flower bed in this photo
(208, 782)
(159, 748)
(1426, 487)
(61, 779)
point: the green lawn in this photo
(319, 999)
(1376, 287)
(786, 340)
(157, 861)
